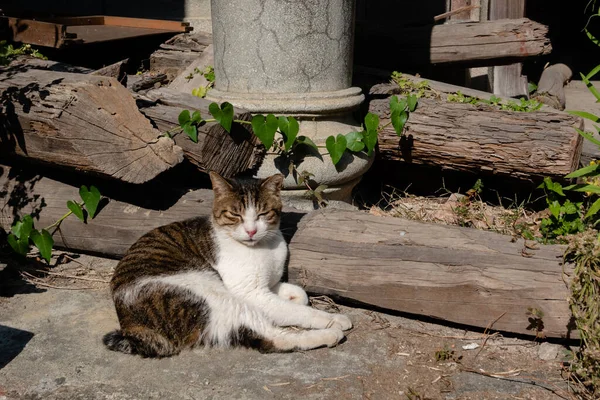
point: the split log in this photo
(116, 226)
(483, 139)
(476, 43)
(229, 154)
(117, 70)
(148, 82)
(455, 274)
(89, 123)
(551, 88)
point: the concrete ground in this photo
(579, 98)
(50, 348)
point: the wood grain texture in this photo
(507, 79)
(118, 224)
(178, 52)
(483, 139)
(481, 43)
(455, 274)
(82, 122)
(228, 154)
(116, 227)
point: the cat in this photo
(215, 281)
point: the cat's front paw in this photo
(332, 336)
(340, 321)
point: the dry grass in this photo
(462, 210)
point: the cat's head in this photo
(248, 211)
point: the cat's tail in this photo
(145, 342)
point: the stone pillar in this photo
(293, 57)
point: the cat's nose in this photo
(251, 233)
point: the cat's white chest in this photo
(244, 268)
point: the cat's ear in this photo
(273, 183)
(219, 184)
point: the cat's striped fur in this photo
(216, 281)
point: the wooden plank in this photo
(480, 43)
(453, 274)
(116, 227)
(174, 26)
(118, 224)
(37, 32)
(82, 122)
(484, 140)
(507, 79)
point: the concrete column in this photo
(292, 57)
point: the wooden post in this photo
(507, 79)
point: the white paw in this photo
(340, 321)
(331, 336)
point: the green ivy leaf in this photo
(44, 242)
(192, 131)
(76, 209)
(184, 117)
(265, 128)
(397, 105)
(21, 229)
(412, 102)
(196, 117)
(355, 141)
(371, 122)
(289, 128)
(399, 120)
(554, 208)
(306, 141)
(223, 115)
(336, 147)
(19, 246)
(91, 199)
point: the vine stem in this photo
(61, 219)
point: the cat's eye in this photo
(230, 214)
(264, 214)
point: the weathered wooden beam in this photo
(178, 52)
(454, 274)
(483, 139)
(217, 150)
(82, 122)
(117, 225)
(481, 43)
(507, 79)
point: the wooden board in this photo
(483, 139)
(69, 31)
(118, 224)
(507, 79)
(82, 122)
(475, 43)
(453, 274)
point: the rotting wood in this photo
(117, 70)
(478, 43)
(551, 88)
(229, 154)
(116, 226)
(149, 82)
(82, 122)
(483, 139)
(177, 53)
(455, 274)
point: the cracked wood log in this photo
(228, 154)
(483, 139)
(178, 52)
(118, 224)
(455, 274)
(478, 43)
(82, 122)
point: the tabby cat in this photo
(216, 282)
